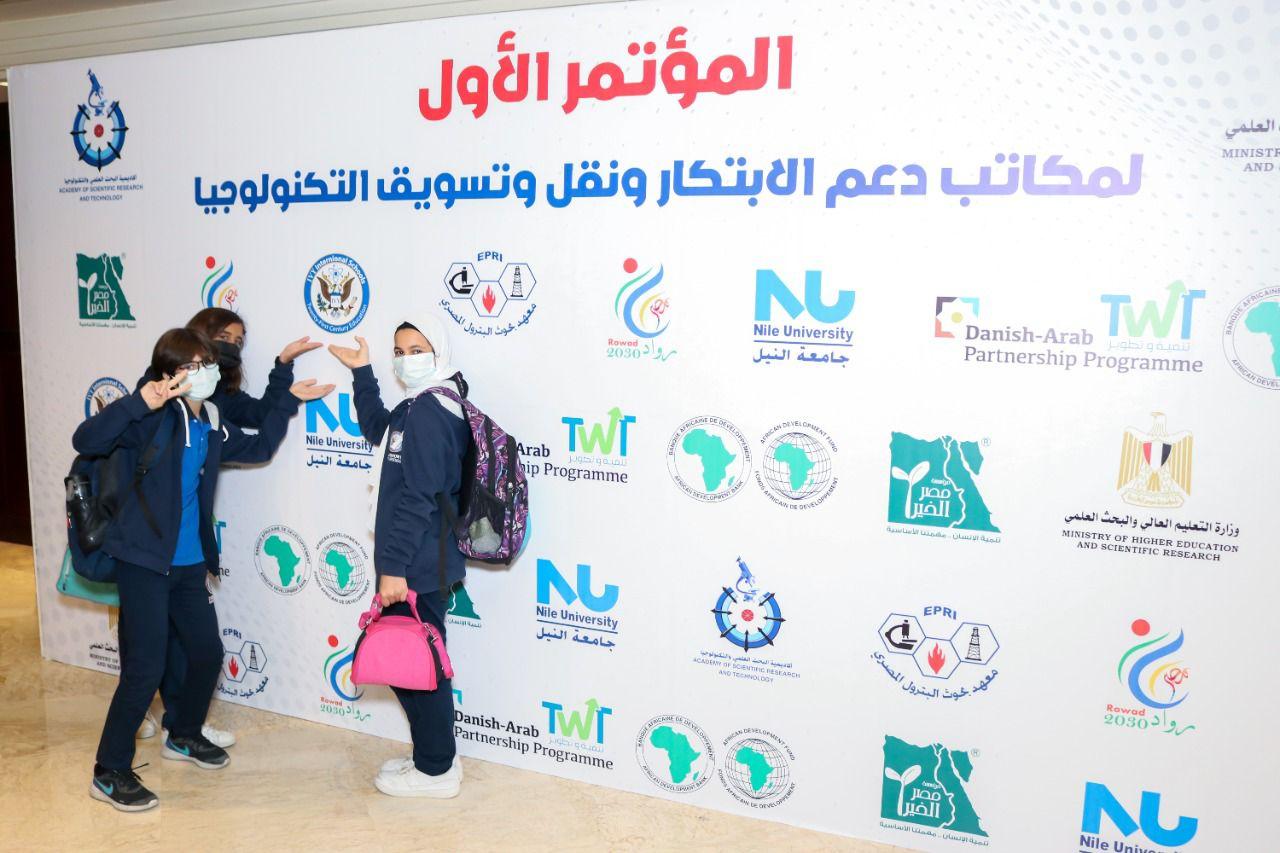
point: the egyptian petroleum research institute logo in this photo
(708, 458)
(1155, 467)
(100, 291)
(342, 568)
(797, 469)
(243, 662)
(217, 291)
(336, 292)
(98, 129)
(934, 483)
(925, 790)
(1157, 679)
(675, 753)
(951, 660)
(643, 304)
(1251, 338)
(102, 393)
(490, 295)
(283, 559)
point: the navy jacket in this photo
(240, 408)
(422, 459)
(129, 423)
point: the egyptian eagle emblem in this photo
(1155, 467)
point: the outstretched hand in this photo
(296, 348)
(352, 358)
(157, 393)
(307, 389)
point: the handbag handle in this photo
(375, 610)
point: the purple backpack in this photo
(493, 509)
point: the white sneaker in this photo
(148, 727)
(398, 765)
(215, 736)
(411, 782)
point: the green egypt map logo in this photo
(675, 753)
(756, 768)
(283, 559)
(342, 567)
(934, 483)
(708, 458)
(100, 292)
(926, 786)
(461, 610)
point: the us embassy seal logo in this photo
(283, 559)
(336, 293)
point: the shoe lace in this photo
(129, 780)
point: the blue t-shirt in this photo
(189, 550)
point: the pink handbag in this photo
(399, 651)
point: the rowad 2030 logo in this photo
(1157, 680)
(643, 305)
(490, 295)
(951, 664)
(341, 695)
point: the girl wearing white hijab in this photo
(427, 438)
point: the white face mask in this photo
(415, 370)
(203, 382)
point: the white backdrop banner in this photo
(897, 387)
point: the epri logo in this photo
(336, 293)
(242, 664)
(216, 291)
(98, 129)
(643, 304)
(1155, 467)
(952, 313)
(953, 663)
(797, 469)
(675, 753)
(489, 296)
(934, 483)
(1099, 800)
(283, 559)
(1156, 676)
(100, 291)
(745, 616)
(708, 458)
(337, 677)
(927, 787)
(756, 770)
(102, 393)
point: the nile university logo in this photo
(98, 128)
(1155, 467)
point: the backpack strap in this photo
(448, 521)
(155, 445)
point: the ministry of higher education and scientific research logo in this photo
(1155, 467)
(1251, 338)
(342, 568)
(98, 129)
(675, 753)
(102, 393)
(708, 458)
(283, 559)
(336, 292)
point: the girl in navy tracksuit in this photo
(162, 575)
(427, 437)
(226, 329)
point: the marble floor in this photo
(296, 785)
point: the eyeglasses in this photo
(194, 366)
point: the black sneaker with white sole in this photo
(121, 789)
(199, 750)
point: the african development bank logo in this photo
(1251, 338)
(1157, 679)
(756, 770)
(283, 559)
(927, 787)
(100, 291)
(489, 296)
(934, 483)
(336, 293)
(98, 129)
(643, 304)
(102, 393)
(675, 753)
(708, 458)
(797, 468)
(342, 568)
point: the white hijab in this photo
(434, 331)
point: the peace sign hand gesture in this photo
(157, 393)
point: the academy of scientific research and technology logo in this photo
(98, 132)
(934, 488)
(675, 753)
(490, 295)
(925, 789)
(643, 305)
(708, 458)
(747, 621)
(100, 292)
(336, 293)
(1251, 338)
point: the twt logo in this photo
(584, 725)
(1157, 318)
(770, 289)
(600, 438)
(549, 578)
(1098, 799)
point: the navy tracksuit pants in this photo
(430, 712)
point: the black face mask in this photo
(228, 355)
